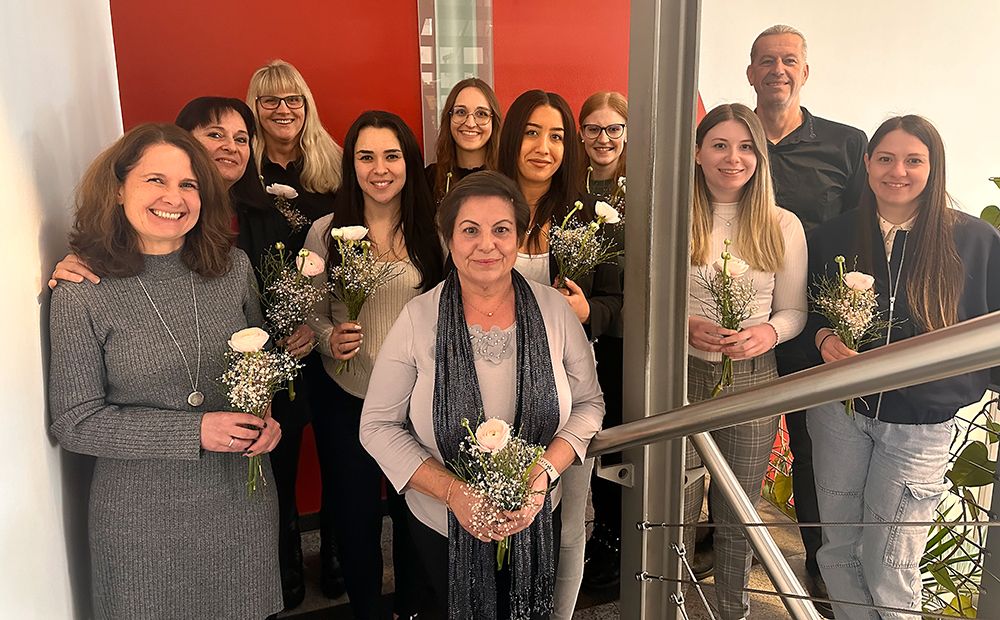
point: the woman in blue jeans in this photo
(933, 267)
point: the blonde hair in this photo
(322, 157)
(759, 241)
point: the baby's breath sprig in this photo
(578, 248)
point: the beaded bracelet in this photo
(776, 337)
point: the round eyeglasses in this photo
(270, 102)
(592, 132)
(481, 116)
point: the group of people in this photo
(476, 325)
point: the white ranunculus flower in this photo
(492, 435)
(858, 281)
(282, 191)
(607, 213)
(349, 233)
(736, 267)
(309, 264)
(249, 340)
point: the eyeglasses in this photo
(592, 132)
(270, 102)
(481, 116)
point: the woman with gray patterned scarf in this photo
(498, 346)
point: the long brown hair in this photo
(614, 101)
(566, 187)
(935, 271)
(759, 241)
(446, 154)
(103, 237)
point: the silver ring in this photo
(231, 440)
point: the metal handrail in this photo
(966, 347)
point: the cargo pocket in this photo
(905, 545)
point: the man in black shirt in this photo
(818, 171)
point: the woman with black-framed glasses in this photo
(468, 137)
(604, 134)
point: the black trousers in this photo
(606, 495)
(432, 548)
(803, 480)
(353, 509)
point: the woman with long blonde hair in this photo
(734, 202)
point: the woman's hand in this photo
(229, 431)
(833, 348)
(476, 515)
(706, 335)
(269, 436)
(575, 298)
(523, 518)
(345, 341)
(301, 342)
(750, 342)
(72, 269)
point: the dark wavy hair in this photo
(247, 191)
(935, 274)
(446, 150)
(485, 183)
(566, 186)
(416, 218)
(103, 237)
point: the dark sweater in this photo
(978, 246)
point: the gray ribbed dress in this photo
(172, 531)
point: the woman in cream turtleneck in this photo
(734, 200)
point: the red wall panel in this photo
(354, 55)
(571, 48)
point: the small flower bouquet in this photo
(579, 248)
(849, 302)
(283, 197)
(496, 464)
(732, 302)
(289, 293)
(359, 274)
(253, 377)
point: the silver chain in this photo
(197, 328)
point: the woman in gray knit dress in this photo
(132, 381)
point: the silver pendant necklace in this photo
(728, 222)
(195, 398)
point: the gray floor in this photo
(762, 607)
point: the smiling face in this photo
(469, 136)
(161, 200)
(542, 146)
(778, 70)
(228, 144)
(379, 164)
(484, 241)
(602, 150)
(727, 159)
(897, 173)
(282, 124)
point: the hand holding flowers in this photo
(579, 248)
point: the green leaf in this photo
(996, 180)
(992, 215)
(944, 579)
(960, 607)
(993, 432)
(782, 488)
(973, 468)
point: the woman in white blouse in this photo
(485, 343)
(734, 201)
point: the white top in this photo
(397, 426)
(376, 317)
(534, 267)
(781, 296)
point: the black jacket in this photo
(978, 246)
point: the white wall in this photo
(58, 108)
(872, 59)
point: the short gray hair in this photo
(779, 29)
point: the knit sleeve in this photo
(384, 433)
(788, 305)
(82, 420)
(587, 411)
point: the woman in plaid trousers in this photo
(734, 211)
